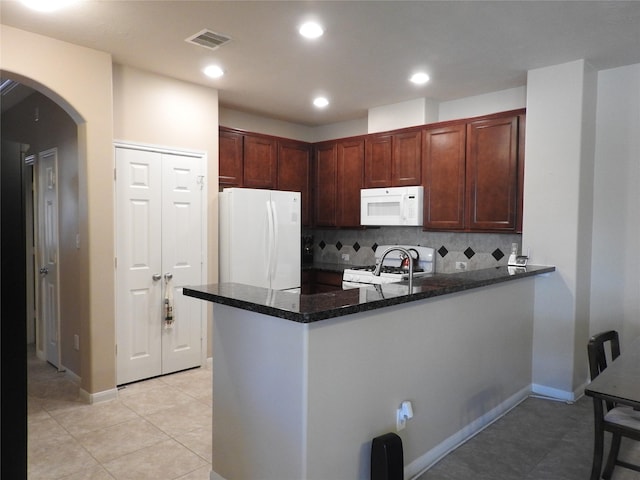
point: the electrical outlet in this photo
(462, 266)
(404, 413)
(345, 257)
(76, 342)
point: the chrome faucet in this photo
(378, 269)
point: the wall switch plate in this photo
(76, 342)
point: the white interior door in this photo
(182, 259)
(139, 264)
(48, 291)
(159, 247)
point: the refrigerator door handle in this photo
(270, 235)
(276, 239)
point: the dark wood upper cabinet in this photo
(350, 167)
(492, 174)
(377, 163)
(338, 180)
(407, 159)
(230, 159)
(260, 162)
(444, 177)
(294, 169)
(326, 182)
(472, 171)
(392, 160)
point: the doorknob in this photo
(156, 277)
(168, 276)
(44, 271)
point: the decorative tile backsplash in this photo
(357, 247)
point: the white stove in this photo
(391, 271)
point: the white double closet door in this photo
(159, 249)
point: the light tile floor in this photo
(157, 429)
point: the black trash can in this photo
(387, 462)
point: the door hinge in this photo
(116, 349)
(115, 262)
(114, 174)
(200, 181)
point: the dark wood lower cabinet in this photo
(320, 281)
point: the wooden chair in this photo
(619, 420)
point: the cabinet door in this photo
(350, 173)
(407, 159)
(444, 177)
(492, 174)
(293, 173)
(230, 159)
(522, 122)
(326, 178)
(377, 163)
(260, 162)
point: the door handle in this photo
(156, 277)
(168, 276)
(44, 271)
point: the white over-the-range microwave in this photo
(398, 206)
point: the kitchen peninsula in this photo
(302, 383)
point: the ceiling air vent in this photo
(208, 39)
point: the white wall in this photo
(494, 102)
(83, 89)
(615, 284)
(404, 114)
(350, 128)
(256, 123)
(419, 111)
(556, 223)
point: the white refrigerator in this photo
(259, 237)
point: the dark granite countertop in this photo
(321, 306)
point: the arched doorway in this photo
(35, 130)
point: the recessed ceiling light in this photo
(311, 30)
(320, 102)
(213, 71)
(419, 78)
(47, 5)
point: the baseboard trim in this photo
(424, 462)
(98, 397)
(557, 394)
(214, 476)
(71, 375)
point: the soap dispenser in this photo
(514, 255)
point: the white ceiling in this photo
(366, 55)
